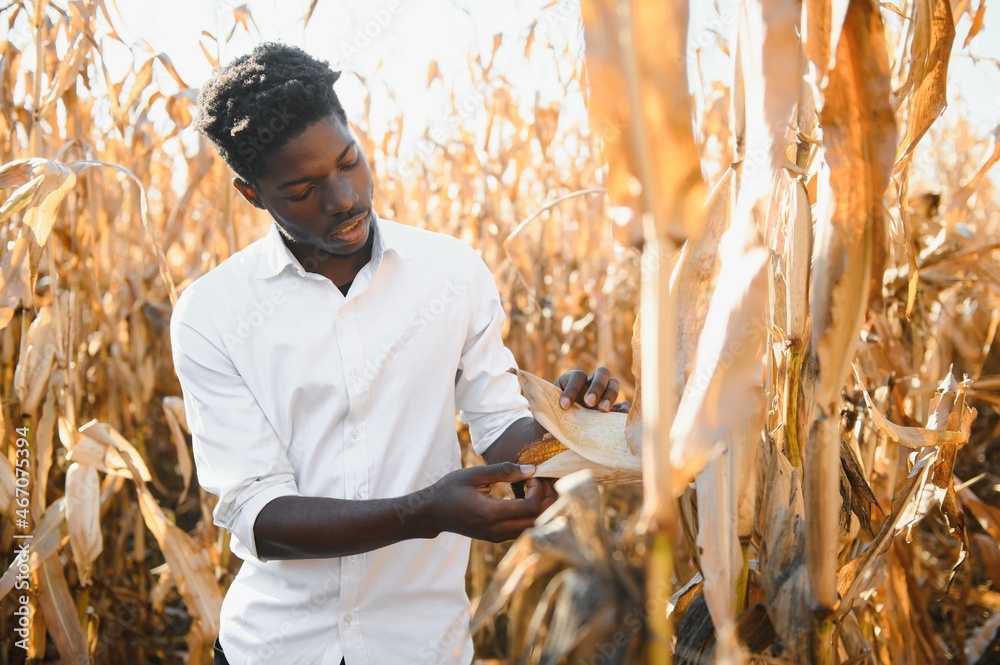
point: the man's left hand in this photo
(597, 391)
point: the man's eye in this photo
(357, 160)
(301, 197)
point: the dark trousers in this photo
(219, 657)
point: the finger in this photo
(609, 396)
(510, 529)
(504, 472)
(543, 491)
(503, 510)
(575, 382)
(622, 407)
(534, 489)
(548, 501)
(598, 384)
(550, 491)
(563, 380)
(545, 486)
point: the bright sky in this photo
(400, 38)
(397, 38)
(408, 34)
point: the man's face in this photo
(318, 188)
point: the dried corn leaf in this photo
(913, 496)
(824, 19)
(728, 368)
(727, 507)
(977, 23)
(635, 88)
(7, 488)
(103, 447)
(189, 564)
(988, 516)
(718, 545)
(855, 492)
(173, 409)
(911, 437)
(565, 591)
(585, 619)
(798, 253)
(31, 377)
(38, 639)
(15, 284)
(927, 82)
(44, 436)
(66, 75)
(18, 174)
(694, 276)
(51, 533)
(50, 182)
(633, 423)
(82, 166)
(165, 585)
(783, 556)
(958, 206)
(860, 138)
(772, 71)
(520, 567)
(83, 518)
(47, 537)
(60, 612)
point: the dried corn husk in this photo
(595, 438)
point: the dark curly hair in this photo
(260, 101)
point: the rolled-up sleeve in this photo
(238, 456)
(487, 395)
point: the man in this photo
(322, 367)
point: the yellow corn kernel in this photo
(541, 450)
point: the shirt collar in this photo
(275, 255)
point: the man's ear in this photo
(248, 191)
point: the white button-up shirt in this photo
(291, 388)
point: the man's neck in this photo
(340, 270)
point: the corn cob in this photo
(538, 451)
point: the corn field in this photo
(812, 245)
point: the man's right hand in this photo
(461, 502)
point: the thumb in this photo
(504, 472)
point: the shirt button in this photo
(354, 559)
(355, 374)
(343, 312)
(347, 619)
(357, 495)
(354, 433)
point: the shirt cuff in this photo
(243, 527)
(487, 429)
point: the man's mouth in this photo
(352, 228)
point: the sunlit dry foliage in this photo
(816, 510)
(824, 333)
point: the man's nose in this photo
(338, 196)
